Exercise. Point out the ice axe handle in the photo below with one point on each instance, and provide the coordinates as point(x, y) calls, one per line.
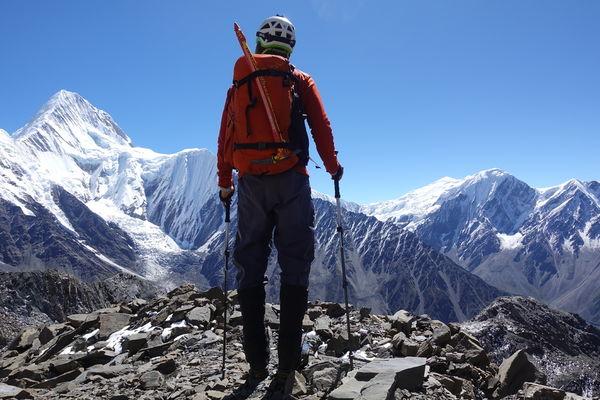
point(336, 183)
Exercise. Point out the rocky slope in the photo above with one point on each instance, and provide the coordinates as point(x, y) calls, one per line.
point(76, 194)
point(539, 242)
point(170, 348)
point(36, 297)
point(562, 345)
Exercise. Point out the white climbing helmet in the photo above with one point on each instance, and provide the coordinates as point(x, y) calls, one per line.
point(276, 33)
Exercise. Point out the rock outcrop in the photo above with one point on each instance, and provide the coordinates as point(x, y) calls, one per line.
point(561, 345)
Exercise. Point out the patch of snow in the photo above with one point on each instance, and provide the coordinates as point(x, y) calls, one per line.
point(509, 242)
point(166, 333)
point(87, 336)
point(115, 340)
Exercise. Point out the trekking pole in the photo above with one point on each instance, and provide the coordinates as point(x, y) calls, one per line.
point(227, 205)
point(340, 230)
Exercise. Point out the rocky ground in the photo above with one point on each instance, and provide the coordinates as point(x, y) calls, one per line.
point(42, 297)
point(170, 348)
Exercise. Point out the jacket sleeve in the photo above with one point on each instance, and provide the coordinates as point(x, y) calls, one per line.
point(320, 127)
point(224, 164)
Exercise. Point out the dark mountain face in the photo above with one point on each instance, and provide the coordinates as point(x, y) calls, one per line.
point(40, 241)
point(555, 339)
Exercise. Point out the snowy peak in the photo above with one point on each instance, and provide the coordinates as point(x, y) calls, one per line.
point(413, 204)
point(69, 124)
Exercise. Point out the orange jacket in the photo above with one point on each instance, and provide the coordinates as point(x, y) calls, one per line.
point(318, 122)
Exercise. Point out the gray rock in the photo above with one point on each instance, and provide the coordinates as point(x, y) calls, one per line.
point(166, 366)
point(271, 316)
point(133, 343)
point(307, 324)
point(52, 382)
point(109, 371)
point(13, 392)
point(235, 318)
point(409, 348)
point(110, 323)
point(199, 316)
point(348, 391)
point(402, 321)
point(516, 370)
point(533, 391)
point(76, 320)
point(381, 387)
point(323, 327)
point(24, 340)
point(61, 366)
point(151, 380)
point(323, 380)
point(409, 372)
point(441, 333)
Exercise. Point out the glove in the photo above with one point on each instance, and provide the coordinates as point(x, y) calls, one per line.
point(225, 194)
point(338, 175)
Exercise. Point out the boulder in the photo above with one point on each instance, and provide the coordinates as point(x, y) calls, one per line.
point(60, 366)
point(110, 323)
point(151, 380)
point(49, 332)
point(441, 333)
point(323, 379)
point(77, 320)
point(166, 366)
point(409, 372)
point(323, 327)
point(534, 391)
point(199, 316)
point(514, 372)
point(350, 390)
point(409, 348)
point(13, 392)
point(133, 343)
point(109, 371)
point(53, 382)
point(24, 340)
point(381, 387)
point(402, 321)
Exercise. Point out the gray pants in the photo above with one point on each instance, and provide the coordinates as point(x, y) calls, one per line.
point(279, 207)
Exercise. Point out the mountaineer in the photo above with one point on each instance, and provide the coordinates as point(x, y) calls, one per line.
point(268, 146)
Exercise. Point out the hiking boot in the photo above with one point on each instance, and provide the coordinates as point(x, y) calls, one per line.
point(252, 379)
point(281, 386)
point(256, 344)
point(293, 303)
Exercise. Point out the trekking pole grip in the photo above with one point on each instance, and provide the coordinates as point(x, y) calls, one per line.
point(336, 183)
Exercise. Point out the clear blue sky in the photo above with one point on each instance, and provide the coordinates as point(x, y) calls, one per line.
point(416, 90)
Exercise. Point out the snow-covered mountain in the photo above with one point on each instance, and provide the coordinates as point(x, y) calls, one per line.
point(540, 242)
point(75, 193)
